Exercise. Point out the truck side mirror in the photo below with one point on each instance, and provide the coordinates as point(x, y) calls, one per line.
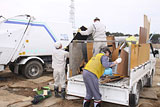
point(156, 52)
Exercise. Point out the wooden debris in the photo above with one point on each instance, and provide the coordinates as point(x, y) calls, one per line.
point(111, 79)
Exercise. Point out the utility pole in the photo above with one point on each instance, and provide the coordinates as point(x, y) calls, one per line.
point(72, 14)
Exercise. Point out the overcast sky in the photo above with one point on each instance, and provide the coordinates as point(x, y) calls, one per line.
point(124, 16)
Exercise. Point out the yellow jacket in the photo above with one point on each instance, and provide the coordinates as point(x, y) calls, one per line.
point(131, 38)
point(95, 66)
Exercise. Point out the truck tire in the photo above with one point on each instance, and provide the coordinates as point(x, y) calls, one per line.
point(11, 67)
point(134, 98)
point(149, 81)
point(33, 69)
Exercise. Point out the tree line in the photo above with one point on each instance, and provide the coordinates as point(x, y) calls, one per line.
point(155, 37)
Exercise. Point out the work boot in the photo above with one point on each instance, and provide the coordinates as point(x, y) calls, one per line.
point(97, 103)
point(86, 103)
point(63, 93)
point(56, 92)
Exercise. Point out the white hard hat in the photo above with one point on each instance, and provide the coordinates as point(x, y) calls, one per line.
point(57, 45)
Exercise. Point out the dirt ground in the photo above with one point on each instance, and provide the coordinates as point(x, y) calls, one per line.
point(19, 87)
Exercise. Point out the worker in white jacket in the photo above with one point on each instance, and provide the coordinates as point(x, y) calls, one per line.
point(98, 31)
point(58, 64)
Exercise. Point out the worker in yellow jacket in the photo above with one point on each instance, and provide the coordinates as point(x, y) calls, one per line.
point(93, 70)
point(132, 39)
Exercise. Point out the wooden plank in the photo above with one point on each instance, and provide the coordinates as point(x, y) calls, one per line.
point(111, 45)
point(122, 68)
point(89, 50)
point(134, 55)
point(115, 53)
point(147, 26)
point(142, 35)
point(147, 55)
point(141, 54)
point(148, 30)
point(144, 53)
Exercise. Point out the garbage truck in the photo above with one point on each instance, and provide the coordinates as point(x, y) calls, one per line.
point(27, 44)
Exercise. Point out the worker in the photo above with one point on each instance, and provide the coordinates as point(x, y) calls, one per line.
point(93, 70)
point(58, 64)
point(98, 31)
point(132, 39)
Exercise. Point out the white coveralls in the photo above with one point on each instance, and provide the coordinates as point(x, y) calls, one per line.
point(58, 64)
point(98, 32)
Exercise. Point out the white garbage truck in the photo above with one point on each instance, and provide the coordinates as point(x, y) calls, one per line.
point(137, 63)
point(26, 44)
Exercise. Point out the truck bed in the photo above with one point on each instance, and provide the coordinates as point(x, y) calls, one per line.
point(124, 83)
point(115, 92)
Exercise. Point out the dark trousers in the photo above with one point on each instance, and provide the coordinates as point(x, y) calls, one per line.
point(92, 85)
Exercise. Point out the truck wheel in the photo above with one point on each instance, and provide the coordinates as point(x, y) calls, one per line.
point(11, 67)
point(33, 69)
point(149, 81)
point(134, 98)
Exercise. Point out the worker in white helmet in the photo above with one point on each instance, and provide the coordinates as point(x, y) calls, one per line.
point(98, 31)
point(59, 57)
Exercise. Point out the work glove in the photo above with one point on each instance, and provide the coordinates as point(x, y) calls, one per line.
point(79, 30)
point(119, 60)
